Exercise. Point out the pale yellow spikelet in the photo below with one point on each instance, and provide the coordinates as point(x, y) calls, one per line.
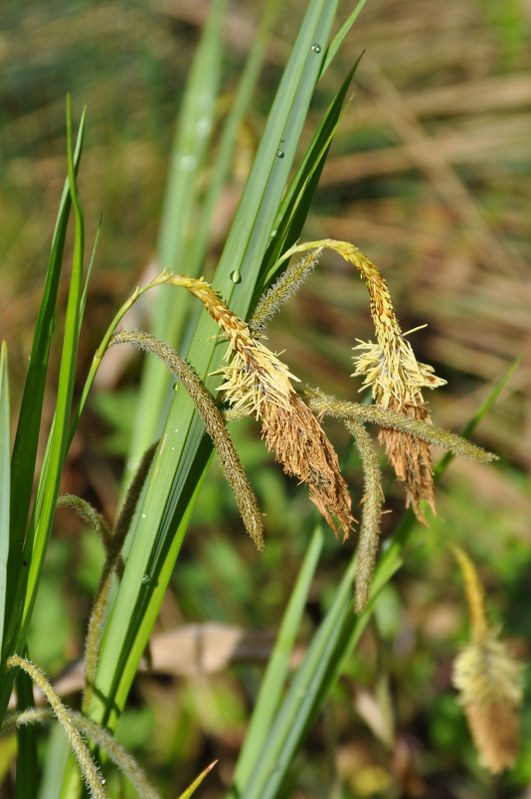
point(489, 680)
point(394, 374)
point(390, 369)
point(254, 375)
point(259, 383)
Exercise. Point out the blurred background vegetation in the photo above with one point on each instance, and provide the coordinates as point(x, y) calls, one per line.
point(429, 174)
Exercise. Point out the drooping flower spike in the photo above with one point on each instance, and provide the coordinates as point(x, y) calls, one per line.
point(489, 680)
point(257, 382)
point(390, 369)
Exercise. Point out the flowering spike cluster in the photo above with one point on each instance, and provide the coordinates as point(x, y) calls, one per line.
point(489, 680)
point(254, 376)
point(257, 382)
point(390, 368)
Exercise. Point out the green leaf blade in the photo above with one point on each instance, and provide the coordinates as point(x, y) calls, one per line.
point(183, 449)
point(5, 481)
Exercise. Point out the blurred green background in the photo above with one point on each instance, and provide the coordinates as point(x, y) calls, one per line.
point(429, 175)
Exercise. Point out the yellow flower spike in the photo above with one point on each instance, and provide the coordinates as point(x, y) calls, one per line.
point(255, 375)
point(489, 680)
point(257, 382)
point(390, 369)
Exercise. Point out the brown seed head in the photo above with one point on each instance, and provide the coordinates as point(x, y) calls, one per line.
point(489, 681)
point(300, 444)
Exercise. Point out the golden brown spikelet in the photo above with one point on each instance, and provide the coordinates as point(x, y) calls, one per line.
point(410, 458)
point(256, 381)
point(396, 378)
point(300, 444)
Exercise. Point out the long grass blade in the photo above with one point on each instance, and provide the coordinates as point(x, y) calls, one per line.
point(39, 530)
point(277, 669)
point(27, 435)
point(299, 194)
point(183, 453)
point(331, 647)
point(177, 233)
point(336, 42)
point(5, 481)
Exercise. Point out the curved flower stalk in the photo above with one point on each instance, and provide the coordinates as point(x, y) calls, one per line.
point(390, 369)
point(214, 424)
point(489, 680)
point(282, 289)
point(353, 414)
point(87, 766)
point(125, 762)
point(372, 502)
point(257, 382)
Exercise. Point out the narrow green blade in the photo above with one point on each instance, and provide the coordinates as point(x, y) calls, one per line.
point(5, 480)
point(27, 436)
point(276, 673)
point(27, 579)
point(299, 194)
point(49, 484)
point(184, 453)
point(177, 232)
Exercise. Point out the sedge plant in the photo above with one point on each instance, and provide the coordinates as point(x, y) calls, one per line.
point(227, 372)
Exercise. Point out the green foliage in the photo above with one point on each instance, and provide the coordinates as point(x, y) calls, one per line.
point(215, 578)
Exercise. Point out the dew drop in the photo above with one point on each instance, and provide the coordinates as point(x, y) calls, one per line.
point(273, 233)
point(203, 126)
point(235, 276)
point(280, 153)
point(143, 515)
point(316, 47)
point(146, 579)
point(188, 163)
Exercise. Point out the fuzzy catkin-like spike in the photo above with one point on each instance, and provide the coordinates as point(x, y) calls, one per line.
point(258, 382)
point(104, 739)
point(94, 632)
point(384, 417)
point(123, 523)
point(475, 594)
point(214, 424)
point(369, 534)
point(489, 680)
point(282, 289)
point(87, 766)
point(90, 516)
point(301, 445)
point(396, 378)
point(32, 715)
